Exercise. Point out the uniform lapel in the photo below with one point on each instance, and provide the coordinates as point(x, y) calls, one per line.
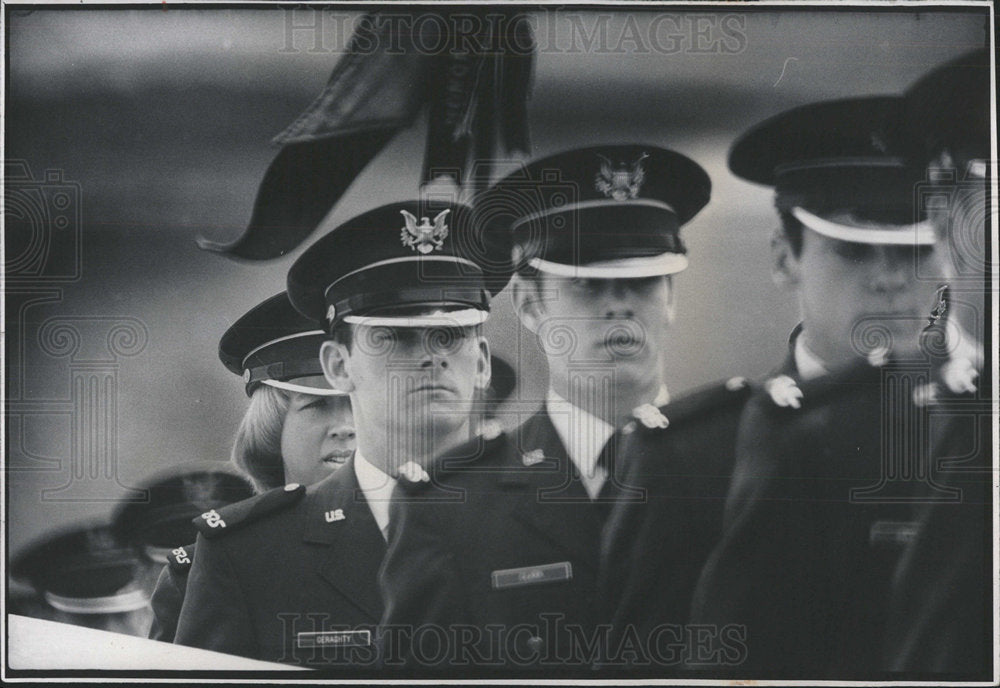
point(338, 518)
point(551, 500)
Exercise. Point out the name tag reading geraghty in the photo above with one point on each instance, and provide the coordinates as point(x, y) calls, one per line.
point(334, 639)
point(532, 575)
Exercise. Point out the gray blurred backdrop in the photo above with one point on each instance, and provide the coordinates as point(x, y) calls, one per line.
point(142, 129)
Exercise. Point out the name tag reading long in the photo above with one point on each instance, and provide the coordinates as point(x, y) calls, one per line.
point(532, 575)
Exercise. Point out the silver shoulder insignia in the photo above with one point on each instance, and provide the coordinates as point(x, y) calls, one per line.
point(213, 519)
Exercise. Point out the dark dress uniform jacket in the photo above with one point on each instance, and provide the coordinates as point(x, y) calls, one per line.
point(504, 534)
point(654, 547)
point(940, 622)
point(168, 595)
point(818, 513)
point(286, 580)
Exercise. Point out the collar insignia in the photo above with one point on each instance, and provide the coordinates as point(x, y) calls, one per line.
point(784, 391)
point(650, 416)
point(960, 375)
point(413, 472)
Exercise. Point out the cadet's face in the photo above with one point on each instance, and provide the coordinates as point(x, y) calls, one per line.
point(410, 377)
point(855, 298)
point(317, 436)
point(619, 321)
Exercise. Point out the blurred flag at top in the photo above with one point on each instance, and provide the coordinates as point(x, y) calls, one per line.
point(470, 68)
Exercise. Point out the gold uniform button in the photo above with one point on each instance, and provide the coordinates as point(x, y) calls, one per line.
point(291, 487)
point(535, 643)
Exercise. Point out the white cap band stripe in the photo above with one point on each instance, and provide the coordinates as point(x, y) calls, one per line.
point(304, 389)
point(920, 234)
point(416, 258)
point(599, 203)
point(822, 163)
point(461, 318)
point(624, 268)
point(297, 335)
point(112, 604)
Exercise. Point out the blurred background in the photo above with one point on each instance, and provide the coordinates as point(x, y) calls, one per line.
point(137, 131)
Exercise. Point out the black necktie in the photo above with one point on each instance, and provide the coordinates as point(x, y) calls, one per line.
point(606, 460)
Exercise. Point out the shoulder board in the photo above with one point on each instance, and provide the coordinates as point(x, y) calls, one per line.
point(699, 403)
point(216, 522)
point(828, 388)
point(180, 559)
point(414, 480)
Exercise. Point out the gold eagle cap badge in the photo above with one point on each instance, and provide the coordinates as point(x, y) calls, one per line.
point(424, 237)
point(622, 183)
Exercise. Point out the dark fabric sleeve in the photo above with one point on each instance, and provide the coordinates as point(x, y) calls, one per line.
point(216, 614)
point(166, 601)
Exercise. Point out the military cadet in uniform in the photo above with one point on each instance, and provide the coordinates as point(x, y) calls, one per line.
point(87, 576)
point(941, 605)
point(158, 526)
point(296, 429)
point(820, 506)
point(499, 549)
point(290, 575)
point(655, 545)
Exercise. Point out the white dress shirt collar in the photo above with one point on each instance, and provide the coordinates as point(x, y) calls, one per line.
point(377, 487)
point(807, 363)
point(584, 436)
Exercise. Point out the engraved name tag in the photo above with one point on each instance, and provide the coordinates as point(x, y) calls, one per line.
point(892, 532)
point(334, 639)
point(532, 575)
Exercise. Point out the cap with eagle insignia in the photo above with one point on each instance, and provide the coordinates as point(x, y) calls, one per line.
point(600, 212)
point(407, 264)
point(217, 522)
point(948, 113)
point(841, 168)
point(157, 524)
point(273, 344)
point(86, 569)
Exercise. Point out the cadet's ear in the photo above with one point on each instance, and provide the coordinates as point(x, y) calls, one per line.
point(527, 302)
point(334, 358)
point(484, 371)
point(785, 266)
